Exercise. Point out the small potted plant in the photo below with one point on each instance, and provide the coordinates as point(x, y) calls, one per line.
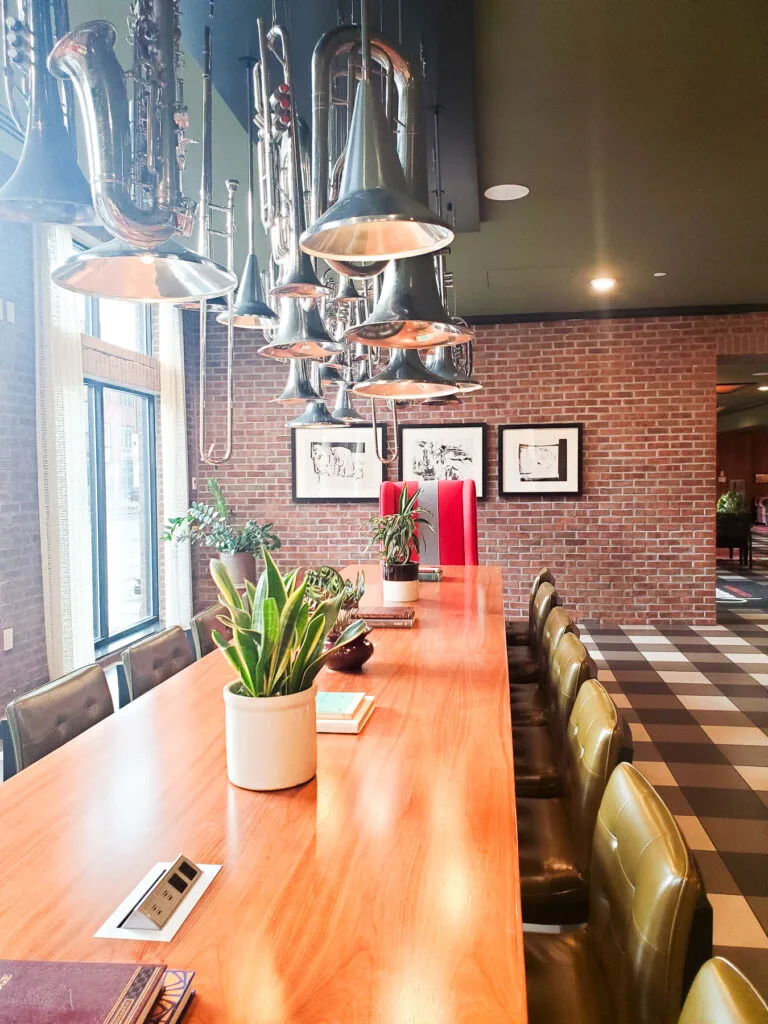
point(276, 651)
point(396, 536)
point(211, 525)
point(325, 582)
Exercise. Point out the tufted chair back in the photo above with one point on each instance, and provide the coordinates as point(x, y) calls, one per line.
point(203, 625)
point(720, 994)
point(559, 622)
point(570, 666)
point(643, 891)
point(590, 754)
point(542, 576)
point(152, 661)
point(50, 716)
point(546, 599)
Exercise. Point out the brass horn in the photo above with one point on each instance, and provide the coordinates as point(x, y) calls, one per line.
point(47, 185)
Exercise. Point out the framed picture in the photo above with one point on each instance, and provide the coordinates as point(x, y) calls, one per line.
point(336, 464)
point(541, 459)
point(443, 451)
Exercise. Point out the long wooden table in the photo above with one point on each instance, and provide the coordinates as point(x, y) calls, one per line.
point(384, 890)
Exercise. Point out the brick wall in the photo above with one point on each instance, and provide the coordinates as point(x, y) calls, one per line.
point(21, 596)
point(638, 546)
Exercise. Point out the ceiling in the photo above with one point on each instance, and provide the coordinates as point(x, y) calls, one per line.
point(745, 374)
point(641, 129)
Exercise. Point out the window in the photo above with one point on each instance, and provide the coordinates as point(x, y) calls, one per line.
point(123, 502)
point(127, 324)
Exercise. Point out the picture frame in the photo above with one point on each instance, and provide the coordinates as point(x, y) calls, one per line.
point(541, 460)
point(432, 452)
point(336, 465)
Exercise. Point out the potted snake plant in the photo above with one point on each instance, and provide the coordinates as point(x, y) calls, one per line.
point(397, 536)
point(276, 652)
point(212, 525)
point(325, 582)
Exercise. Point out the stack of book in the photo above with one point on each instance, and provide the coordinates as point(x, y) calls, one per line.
point(430, 573)
point(342, 712)
point(49, 991)
point(391, 616)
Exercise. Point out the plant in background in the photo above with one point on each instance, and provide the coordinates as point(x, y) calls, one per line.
point(732, 503)
point(324, 582)
point(397, 533)
point(278, 631)
point(212, 526)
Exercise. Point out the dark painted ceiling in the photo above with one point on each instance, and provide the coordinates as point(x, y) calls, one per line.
point(746, 374)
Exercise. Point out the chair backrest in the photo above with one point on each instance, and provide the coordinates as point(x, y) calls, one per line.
point(542, 576)
point(152, 661)
point(590, 753)
point(720, 994)
point(203, 625)
point(452, 505)
point(559, 622)
point(546, 599)
point(643, 889)
point(51, 715)
point(569, 667)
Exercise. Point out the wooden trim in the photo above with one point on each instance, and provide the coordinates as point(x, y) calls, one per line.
point(111, 364)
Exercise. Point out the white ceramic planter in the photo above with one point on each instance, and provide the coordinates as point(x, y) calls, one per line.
point(241, 566)
point(400, 591)
point(271, 741)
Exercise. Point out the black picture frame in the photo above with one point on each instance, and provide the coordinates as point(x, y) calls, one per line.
point(300, 498)
point(576, 430)
point(482, 487)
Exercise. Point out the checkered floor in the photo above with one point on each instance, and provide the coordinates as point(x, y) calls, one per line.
point(697, 702)
point(737, 584)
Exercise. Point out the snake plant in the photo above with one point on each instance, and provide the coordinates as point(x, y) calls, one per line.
point(278, 631)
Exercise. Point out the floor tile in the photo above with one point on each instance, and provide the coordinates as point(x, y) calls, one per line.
point(677, 734)
point(657, 773)
point(761, 677)
point(732, 835)
point(740, 804)
point(639, 732)
point(620, 700)
point(706, 703)
point(748, 659)
point(727, 641)
point(679, 676)
point(737, 736)
point(752, 756)
point(735, 924)
point(755, 777)
point(694, 832)
point(690, 753)
point(749, 871)
point(708, 776)
point(759, 907)
point(667, 657)
point(716, 876)
point(675, 800)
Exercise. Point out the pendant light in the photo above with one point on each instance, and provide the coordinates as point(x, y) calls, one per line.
point(300, 334)
point(442, 363)
point(299, 387)
point(250, 309)
point(344, 410)
point(406, 378)
point(316, 416)
point(374, 217)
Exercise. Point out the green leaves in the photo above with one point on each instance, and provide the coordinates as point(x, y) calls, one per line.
point(396, 533)
point(278, 630)
point(212, 526)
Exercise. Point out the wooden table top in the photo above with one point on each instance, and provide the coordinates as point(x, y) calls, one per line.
point(384, 890)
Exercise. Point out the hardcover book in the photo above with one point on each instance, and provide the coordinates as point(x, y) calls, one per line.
point(349, 725)
point(173, 1000)
point(389, 616)
point(50, 991)
point(337, 705)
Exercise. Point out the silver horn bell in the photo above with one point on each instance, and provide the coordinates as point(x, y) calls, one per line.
point(250, 309)
point(299, 387)
point(406, 378)
point(316, 415)
point(301, 334)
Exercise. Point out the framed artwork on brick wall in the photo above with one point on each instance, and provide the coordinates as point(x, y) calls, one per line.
point(431, 452)
point(540, 459)
point(336, 464)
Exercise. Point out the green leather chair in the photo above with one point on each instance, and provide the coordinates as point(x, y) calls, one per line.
point(152, 661)
point(46, 718)
point(520, 631)
point(720, 994)
point(202, 627)
point(626, 964)
point(524, 663)
point(555, 835)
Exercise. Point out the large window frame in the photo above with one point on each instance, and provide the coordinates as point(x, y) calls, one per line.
point(104, 640)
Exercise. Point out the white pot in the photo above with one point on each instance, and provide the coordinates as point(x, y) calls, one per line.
point(400, 591)
point(241, 566)
point(271, 741)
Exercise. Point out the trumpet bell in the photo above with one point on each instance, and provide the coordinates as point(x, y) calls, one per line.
point(442, 363)
point(347, 292)
point(409, 313)
point(47, 186)
point(301, 283)
point(299, 387)
point(316, 415)
point(374, 217)
point(169, 272)
point(344, 410)
point(300, 335)
point(250, 309)
point(406, 378)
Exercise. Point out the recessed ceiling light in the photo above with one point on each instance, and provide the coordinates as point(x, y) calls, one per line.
point(504, 193)
point(603, 284)
point(659, 273)
point(763, 387)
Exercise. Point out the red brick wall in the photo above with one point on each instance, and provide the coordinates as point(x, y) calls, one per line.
point(638, 546)
point(21, 597)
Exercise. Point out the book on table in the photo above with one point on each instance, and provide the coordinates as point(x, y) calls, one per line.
point(329, 719)
point(48, 991)
point(170, 1005)
point(391, 616)
point(430, 573)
